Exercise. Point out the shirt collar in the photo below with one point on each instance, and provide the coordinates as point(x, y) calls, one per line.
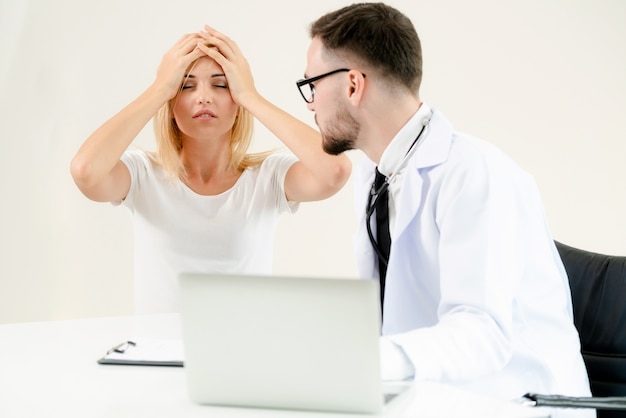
point(397, 149)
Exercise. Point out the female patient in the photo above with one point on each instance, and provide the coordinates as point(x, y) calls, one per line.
point(201, 203)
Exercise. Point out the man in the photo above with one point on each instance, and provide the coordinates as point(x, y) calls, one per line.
point(473, 291)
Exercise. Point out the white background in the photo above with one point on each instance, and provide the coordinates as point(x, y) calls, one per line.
point(544, 80)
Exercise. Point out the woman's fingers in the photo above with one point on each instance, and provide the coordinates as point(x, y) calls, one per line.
point(228, 55)
point(176, 60)
point(226, 46)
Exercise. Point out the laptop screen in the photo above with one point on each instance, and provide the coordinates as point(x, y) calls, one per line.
point(282, 342)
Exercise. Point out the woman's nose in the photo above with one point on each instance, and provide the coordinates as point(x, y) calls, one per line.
point(204, 95)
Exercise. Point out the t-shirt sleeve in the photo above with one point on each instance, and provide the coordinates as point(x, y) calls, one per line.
point(278, 164)
point(137, 162)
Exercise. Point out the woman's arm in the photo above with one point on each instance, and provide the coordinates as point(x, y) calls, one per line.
point(96, 167)
point(317, 175)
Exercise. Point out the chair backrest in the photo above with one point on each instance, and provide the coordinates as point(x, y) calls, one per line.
point(598, 286)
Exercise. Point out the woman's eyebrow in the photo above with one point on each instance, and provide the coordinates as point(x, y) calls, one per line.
point(212, 75)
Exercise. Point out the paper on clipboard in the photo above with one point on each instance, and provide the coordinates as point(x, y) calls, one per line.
point(146, 352)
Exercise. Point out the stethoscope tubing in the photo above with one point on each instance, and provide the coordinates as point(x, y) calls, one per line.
point(375, 194)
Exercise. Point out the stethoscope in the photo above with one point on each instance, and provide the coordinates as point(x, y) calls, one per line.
point(376, 193)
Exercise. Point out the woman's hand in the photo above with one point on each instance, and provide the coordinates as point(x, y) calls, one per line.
point(228, 55)
point(175, 62)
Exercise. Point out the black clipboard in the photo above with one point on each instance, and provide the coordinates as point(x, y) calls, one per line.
point(596, 402)
point(145, 352)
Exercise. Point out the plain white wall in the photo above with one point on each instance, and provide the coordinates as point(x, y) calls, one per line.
point(541, 79)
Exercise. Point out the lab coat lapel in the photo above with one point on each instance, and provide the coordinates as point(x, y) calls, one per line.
point(408, 203)
point(433, 151)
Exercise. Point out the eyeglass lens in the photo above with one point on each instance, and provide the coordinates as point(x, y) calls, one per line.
point(308, 92)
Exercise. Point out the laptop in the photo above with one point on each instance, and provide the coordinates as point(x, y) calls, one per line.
point(282, 342)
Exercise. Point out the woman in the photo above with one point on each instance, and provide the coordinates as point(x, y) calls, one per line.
point(200, 203)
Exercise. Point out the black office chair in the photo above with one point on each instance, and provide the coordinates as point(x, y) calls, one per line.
point(598, 286)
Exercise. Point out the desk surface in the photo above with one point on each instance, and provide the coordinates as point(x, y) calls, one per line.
point(49, 369)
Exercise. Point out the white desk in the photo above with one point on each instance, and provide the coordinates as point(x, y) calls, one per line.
point(49, 369)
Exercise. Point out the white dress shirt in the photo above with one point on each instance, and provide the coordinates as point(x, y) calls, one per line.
point(400, 149)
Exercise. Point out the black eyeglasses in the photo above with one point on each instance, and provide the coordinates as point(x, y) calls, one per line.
point(306, 87)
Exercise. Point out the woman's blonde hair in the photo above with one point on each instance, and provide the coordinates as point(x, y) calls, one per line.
point(169, 142)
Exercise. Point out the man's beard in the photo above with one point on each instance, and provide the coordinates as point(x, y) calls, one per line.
point(341, 134)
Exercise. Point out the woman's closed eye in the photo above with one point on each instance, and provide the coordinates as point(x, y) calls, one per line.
point(188, 86)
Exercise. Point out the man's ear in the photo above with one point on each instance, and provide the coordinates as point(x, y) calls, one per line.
point(356, 87)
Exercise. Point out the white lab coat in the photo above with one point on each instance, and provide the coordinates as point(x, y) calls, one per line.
point(476, 293)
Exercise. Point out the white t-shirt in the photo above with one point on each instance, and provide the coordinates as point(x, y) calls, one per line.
point(177, 230)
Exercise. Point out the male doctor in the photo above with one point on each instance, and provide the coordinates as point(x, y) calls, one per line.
point(473, 291)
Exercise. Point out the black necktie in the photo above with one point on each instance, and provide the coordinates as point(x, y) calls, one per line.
point(383, 237)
